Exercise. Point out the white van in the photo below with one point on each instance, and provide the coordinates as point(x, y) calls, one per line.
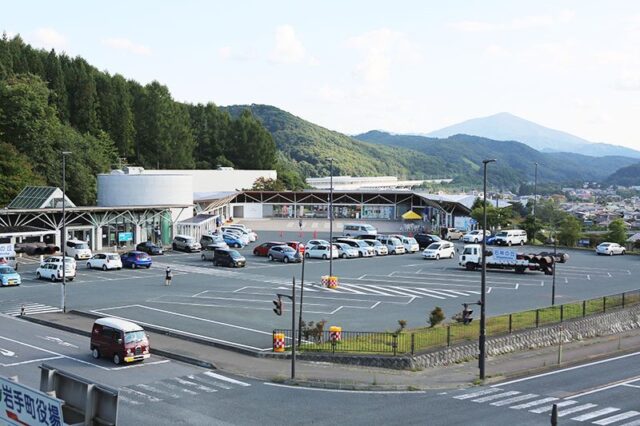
point(511, 237)
point(77, 249)
point(357, 229)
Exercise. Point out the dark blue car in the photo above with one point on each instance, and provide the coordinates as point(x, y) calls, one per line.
point(135, 259)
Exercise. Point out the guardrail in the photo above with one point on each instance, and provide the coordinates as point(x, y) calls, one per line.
point(410, 342)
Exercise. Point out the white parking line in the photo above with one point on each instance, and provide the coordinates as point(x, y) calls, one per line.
point(30, 361)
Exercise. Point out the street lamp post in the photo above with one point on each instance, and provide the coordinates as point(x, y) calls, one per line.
point(553, 285)
point(535, 200)
point(331, 218)
point(64, 231)
point(483, 276)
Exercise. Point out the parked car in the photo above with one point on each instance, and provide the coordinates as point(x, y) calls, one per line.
point(410, 244)
point(356, 229)
point(185, 243)
point(345, 250)
point(135, 259)
point(58, 260)
point(298, 246)
point(233, 240)
point(9, 276)
point(321, 251)
point(284, 253)
point(119, 340)
point(149, 248)
point(475, 236)
point(440, 250)
point(453, 234)
point(104, 261)
point(381, 249)
point(316, 243)
point(511, 237)
point(425, 240)
point(213, 240)
point(491, 241)
point(53, 271)
point(394, 245)
point(228, 257)
point(364, 249)
point(252, 235)
point(239, 233)
point(610, 249)
point(77, 249)
point(263, 249)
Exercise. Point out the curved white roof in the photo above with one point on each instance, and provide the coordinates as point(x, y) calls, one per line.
point(119, 324)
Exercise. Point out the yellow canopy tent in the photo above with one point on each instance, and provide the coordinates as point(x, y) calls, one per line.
point(411, 215)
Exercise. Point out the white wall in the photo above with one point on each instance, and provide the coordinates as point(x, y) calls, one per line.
point(219, 180)
point(144, 190)
point(251, 210)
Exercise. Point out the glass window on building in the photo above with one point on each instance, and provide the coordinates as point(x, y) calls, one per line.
point(284, 211)
point(378, 212)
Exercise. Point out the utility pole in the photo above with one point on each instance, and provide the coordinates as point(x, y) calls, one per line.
point(483, 277)
point(331, 217)
point(64, 231)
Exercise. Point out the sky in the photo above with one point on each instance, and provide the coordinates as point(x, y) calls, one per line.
point(354, 66)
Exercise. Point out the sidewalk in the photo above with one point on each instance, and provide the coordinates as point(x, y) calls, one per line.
point(351, 377)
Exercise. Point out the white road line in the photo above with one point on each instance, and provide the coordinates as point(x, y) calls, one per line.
point(422, 292)
point(367, 289)
point(440, 292)
point(140, 365)
point(150, 398)
point(495, 396)
point(616, 418)
point(226, 379)
point(344, 286)
point(632, 423)
point(594, 414)
point(194, 384)
point(127, 400)
point(550, 407)
point(477, 393)
point(630, 385)
point(515, 399)
point(29, 362)
point(567, 369)
point(150, 388)
point(177, 388)
point(278, 385)
point(204, 381)
point(589, 277)
point(459, 293)
point(392, 291)
point(534, 403)
point(575, 409)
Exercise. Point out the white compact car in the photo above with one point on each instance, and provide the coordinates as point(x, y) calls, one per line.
point(346, 251)
point(381, 249)
point(410, 244)
point(311, 243)
point(58, 260)
point(77, 249)
point(475, 237)
point(321, 251)
point(610, 249)
point(53, 271)
point(105, 261)
point(439, 250)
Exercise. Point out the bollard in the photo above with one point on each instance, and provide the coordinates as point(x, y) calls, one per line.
point(554, 415)
point(22, 311)
point(278, 342)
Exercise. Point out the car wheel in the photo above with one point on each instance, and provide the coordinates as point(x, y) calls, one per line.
point(216, 264)
point(343, 255)
point(610, 253)
point(622, 252)
point(95, 353)
point(116, 359)
point(76, 257)
point(359, 254)
point(53, 278)
point(173, 246)
point(475, 241)
point(285, 260)
point(393, 252)
point(255, 252)
point(88, 265)
point(104, 267)
point(521, 242)
point(133, 266)
point(452, 254)
point(324, 256)
point(202, 257)
point(437, 257)
point(306, 255)
point(38, 276)
point(509, 243)
point(148, 266)
point(270, 257)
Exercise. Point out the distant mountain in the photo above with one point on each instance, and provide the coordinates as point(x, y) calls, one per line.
point(307, 148)
point(626, 176)
point(515, 160)
point(508, 127)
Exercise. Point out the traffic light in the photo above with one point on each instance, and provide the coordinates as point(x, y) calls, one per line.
point(466, 314)
point(278, 308)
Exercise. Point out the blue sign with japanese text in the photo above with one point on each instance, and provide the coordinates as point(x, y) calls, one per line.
point(21, 405)
point(125, 236)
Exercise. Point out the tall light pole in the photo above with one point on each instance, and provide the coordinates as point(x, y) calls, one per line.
point(331, 217)
point(483, 276)
point(535, 201)
point(64, 230)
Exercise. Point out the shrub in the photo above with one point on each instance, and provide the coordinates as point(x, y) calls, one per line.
point(436, 316)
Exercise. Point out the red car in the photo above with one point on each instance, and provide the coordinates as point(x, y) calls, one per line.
point(263, 249)
point(296, 245)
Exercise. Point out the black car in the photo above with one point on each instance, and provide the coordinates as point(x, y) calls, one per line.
point(425, 240)
point(228, 257)
point(149, 248)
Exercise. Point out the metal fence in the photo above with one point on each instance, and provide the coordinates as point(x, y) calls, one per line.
point(415, 341)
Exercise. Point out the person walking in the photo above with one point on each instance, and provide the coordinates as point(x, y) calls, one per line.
point(300, 224)
point(168, 276)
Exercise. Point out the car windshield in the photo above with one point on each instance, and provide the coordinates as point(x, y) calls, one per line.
point(434, 246)
point(142, 255)
point(411, 240)
point(369, 228)
point(134, 336)
point(81, 246)
point(288, 250)
point(7, 270)
point(605, 244)
point(235, 254)
point(362, 243)
point(501, 234)
point(113, 257)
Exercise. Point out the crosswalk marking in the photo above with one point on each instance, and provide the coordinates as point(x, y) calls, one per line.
point(633, 423)
point(196, 385)
point(149, 398)
point(575, 409)
point(514, 399)
point(150, 388)
point(176, 388)
point(495, 396)
point(550, 407)
point(534, 403)
point(422, 292)
point(14, 309)
point(477, 393)
point(617, 418)
point(226, 379)
point(595, 414)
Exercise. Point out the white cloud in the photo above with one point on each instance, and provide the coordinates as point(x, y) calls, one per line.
point(288, 48)
point(127, 45)
point(49, 38)
point(628, 81)
point(516, 24)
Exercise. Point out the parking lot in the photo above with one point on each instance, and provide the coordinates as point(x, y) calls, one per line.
point(234, 306)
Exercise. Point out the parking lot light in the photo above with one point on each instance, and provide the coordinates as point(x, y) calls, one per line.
point(64, 231)
point(483, 277)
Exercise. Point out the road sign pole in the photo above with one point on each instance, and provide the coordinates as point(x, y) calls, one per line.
point(293, 329)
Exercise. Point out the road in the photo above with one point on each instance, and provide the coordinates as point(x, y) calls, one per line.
point(234, 305)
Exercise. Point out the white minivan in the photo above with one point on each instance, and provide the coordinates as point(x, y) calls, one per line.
point(357, 229)
point(511, 237)
point(77, 249)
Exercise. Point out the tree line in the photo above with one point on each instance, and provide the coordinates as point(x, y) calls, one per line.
point(51, 102)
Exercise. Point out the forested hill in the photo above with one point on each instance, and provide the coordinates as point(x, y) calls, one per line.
point(626, 176)
point(51, 102)
point(308, 148)
point(515, 161)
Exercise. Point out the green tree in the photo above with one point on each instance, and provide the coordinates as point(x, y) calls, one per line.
point(617, 232)
point(264, 184)
point(121, 127)
point(58, 96)
point(570, 230)
point(83, 99)
point(16, 171)
point(252, 146)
